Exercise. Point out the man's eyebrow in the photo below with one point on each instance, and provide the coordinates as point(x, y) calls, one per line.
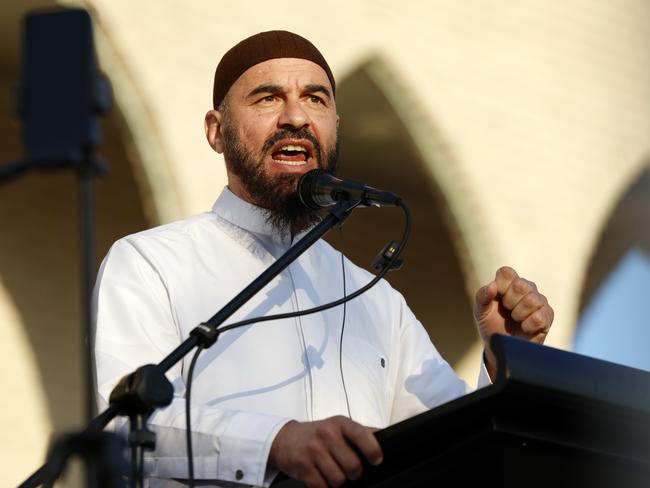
point(315, 88)
point(271, 89)
point(277, 89)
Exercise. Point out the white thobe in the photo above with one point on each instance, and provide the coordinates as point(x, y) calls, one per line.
point(155, 286)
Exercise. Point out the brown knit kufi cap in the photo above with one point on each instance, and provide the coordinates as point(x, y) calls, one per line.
point(259, 48)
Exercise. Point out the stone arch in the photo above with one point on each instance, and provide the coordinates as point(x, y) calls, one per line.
point(624, 236)
point(40, 298)
point(387, 142)
point(25, 421)
point(140, 132)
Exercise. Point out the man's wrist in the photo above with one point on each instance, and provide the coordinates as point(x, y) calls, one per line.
point(276, 445)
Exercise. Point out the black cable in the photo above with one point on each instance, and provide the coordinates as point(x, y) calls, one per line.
point(299, 313)
point(340, 301)
point(87, 226)
point(188, 421)
point(345, 390)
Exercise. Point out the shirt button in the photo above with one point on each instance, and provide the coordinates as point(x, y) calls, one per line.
point(239, 474)
point(383, 362)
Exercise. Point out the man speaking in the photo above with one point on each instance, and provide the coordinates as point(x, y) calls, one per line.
point(301, 395)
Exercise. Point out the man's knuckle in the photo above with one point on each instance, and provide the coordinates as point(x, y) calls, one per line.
point(531, 284)
point(519, 285)
point(532, 300)
point(331, 431)
point(324, 430)
point(538, 319)
point(313, 449)
point(359, 434)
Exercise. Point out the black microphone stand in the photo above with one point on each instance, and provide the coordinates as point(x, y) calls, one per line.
point(140, 393)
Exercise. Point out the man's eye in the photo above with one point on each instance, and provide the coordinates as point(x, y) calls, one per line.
point(269, 98)
point(315, 99)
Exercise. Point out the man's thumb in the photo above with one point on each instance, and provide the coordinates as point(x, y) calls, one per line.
point(484, 298)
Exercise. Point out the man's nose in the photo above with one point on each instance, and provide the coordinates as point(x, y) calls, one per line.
point(293, 115)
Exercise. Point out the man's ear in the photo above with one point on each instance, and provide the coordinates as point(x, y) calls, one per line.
point(213, 130)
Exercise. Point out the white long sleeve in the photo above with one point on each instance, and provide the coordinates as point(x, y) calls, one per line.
point(154, 287)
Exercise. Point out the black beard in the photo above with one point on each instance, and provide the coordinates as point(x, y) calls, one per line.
point(278, 194)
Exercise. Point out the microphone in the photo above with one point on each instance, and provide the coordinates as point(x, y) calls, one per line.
point(319, 189)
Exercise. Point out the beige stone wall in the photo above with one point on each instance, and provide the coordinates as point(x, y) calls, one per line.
point(41, 333)
point(531, 118)
point(543, 106)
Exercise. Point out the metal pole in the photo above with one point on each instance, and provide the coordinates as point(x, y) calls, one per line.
point(86, 188)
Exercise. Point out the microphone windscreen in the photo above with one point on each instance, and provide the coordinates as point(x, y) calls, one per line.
point(308, 188)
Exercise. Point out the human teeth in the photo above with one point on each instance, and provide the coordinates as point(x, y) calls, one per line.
point(293, 148)
point(290, 163)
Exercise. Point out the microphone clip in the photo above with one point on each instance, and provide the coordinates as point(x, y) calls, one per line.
point(382, 259)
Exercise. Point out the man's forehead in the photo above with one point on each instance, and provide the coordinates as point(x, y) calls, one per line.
point(261, 47)
point(281, 72)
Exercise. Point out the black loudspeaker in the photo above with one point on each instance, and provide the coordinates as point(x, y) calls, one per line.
point(62, 93)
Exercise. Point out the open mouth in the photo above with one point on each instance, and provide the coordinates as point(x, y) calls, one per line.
point(292, 153)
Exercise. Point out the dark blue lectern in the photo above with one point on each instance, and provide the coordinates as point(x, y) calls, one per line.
point(552, 419)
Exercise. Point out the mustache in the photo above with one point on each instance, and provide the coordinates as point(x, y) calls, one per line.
point(302, 133)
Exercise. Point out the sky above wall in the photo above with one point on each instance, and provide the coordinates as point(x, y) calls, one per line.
point(615, 326)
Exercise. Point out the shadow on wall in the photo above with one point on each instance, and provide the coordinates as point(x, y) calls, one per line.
point(614, 309)
point(377, 149)
point(40, 255)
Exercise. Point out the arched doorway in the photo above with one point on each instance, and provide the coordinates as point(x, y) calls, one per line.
point(614, 323)
point(40, 268)
point(377, 149)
